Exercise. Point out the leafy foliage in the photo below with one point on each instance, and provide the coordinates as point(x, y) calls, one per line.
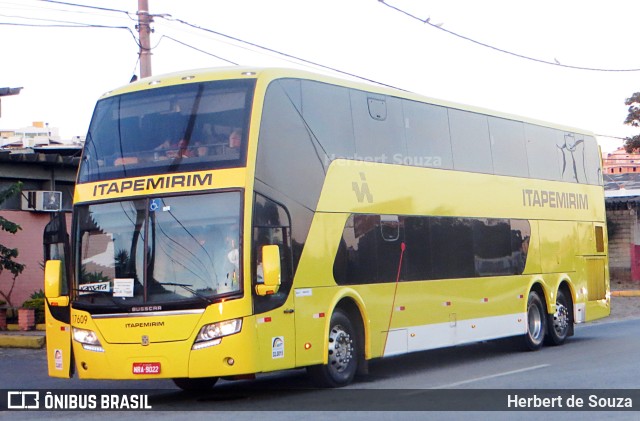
point(632, 144)
point(37, 294)
point(7, 254)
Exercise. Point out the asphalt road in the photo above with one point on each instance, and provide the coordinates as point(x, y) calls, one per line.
point(599, 360)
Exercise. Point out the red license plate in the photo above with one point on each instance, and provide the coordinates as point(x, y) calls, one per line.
point(146, 368)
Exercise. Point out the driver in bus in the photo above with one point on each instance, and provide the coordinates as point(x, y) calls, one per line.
point(180, 149)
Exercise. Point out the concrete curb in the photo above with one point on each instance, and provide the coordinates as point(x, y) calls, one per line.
point(629, 293)
point(13, 337)
point(18, 340)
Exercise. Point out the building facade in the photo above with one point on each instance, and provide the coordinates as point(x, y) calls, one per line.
point(38, 169)
point(620, 162)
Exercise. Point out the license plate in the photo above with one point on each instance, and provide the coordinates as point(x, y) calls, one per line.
point(146, 368)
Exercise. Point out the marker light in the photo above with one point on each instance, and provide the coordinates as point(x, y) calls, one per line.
point(212, 334)
point(88, 339)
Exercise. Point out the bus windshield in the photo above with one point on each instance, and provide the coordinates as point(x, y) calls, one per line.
point(179, 128)
point(154, 251)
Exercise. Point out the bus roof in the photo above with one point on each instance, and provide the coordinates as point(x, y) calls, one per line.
point(266, 75)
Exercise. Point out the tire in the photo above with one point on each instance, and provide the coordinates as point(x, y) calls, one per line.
point(195, 384)
point(536, 323)
point(559, 326)
point(342, 362)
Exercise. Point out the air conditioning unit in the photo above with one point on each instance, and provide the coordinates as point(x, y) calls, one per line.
point(41, 200)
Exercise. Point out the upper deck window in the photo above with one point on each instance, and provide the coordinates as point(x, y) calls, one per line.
point(190, 127)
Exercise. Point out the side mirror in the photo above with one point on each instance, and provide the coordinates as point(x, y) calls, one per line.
point(270, 271)
point(53, 279)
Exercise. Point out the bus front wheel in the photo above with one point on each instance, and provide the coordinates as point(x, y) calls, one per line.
point(342, 361)
point(195, 384)
point(536, 322)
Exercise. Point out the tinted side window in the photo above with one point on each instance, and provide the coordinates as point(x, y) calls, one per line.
point(592, 161)
point(543, 152)
point(419, 253)
point(287, 151)
point(378, 136)
point(370, 250)
point(427, 133)
point(508, 147)
point(492, 247)
point(453, 252)
point(356, 259)
point(470, 141)
point(327, 111)
point(571, 150)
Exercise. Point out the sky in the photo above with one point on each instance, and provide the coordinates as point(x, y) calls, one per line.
point(488, 53)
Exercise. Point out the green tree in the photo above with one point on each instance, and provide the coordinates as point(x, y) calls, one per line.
point(632, 144)
point(7, 254)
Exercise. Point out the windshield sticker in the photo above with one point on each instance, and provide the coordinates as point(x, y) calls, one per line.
point(154, 204)
point(123, 287)
point(92, 288)
point(277, 347)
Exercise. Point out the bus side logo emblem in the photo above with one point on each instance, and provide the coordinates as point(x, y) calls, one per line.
point(145, 340)
point(362, 190)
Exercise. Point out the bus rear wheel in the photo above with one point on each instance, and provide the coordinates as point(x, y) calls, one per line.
point(195, 384)
point(342, 362)
point(560, 321)
point(536, 322)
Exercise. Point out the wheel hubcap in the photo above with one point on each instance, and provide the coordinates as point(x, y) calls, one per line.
point(535, 323)
point(561, 318)
point(340, 349)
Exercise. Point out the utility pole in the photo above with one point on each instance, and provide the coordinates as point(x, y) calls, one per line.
point(144, 37)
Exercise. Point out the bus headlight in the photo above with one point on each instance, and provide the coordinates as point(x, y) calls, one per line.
point(212, 334)
point(88, 339)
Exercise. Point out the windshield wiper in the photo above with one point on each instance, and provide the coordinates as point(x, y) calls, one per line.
point(187, 287)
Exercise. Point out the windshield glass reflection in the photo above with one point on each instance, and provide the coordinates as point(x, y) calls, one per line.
point(191, 248)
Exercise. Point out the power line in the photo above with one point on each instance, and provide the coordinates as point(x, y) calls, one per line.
point(271, 50)
point(105, 9)
point(46, 20)
point(71, 25)
point(56, 9)
point(183, 22)
point(500, 50)
point(194, 48)
point(612, 137)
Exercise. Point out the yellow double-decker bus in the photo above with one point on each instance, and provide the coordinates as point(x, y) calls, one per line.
point(235, 221)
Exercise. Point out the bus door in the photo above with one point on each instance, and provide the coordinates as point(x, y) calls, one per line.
point(276, 325)
point(57, 302)
point(272, 279)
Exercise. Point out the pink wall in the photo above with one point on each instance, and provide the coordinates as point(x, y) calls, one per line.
point(28, 241)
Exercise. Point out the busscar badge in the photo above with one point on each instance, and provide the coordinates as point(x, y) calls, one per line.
point(145, 340)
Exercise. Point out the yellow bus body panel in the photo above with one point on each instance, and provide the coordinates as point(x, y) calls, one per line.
point(562, 237)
